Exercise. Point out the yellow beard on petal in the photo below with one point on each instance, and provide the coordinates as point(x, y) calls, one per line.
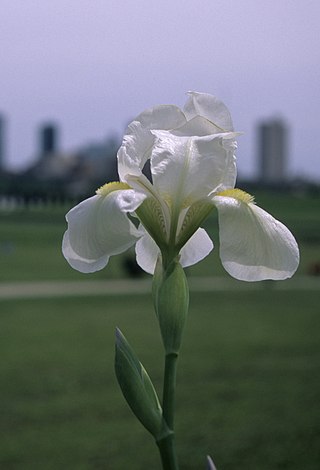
point(238, 194)
point(110, 187)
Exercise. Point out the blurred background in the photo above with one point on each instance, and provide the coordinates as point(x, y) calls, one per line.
point(73, 75)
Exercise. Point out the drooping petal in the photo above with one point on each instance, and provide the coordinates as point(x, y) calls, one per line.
point(147, 252)
point(253, 245)
point(99, 228)
point(197, 248)
point(79, 263)
point(138, 140)
point(208, 106)
point(186, 168)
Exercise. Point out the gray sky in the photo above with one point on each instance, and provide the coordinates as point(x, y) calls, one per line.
point(93, 65)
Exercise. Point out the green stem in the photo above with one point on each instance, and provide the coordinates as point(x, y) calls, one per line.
point(169, 389)
point(168, 454)
point(166, 445)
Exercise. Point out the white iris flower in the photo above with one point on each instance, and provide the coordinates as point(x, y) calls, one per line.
point(191, 155)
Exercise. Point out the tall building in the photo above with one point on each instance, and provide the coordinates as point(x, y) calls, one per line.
point(48, 139)
point(2, 141)
point(273, 149)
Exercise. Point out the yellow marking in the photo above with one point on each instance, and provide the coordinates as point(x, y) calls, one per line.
point(109, 187)
point(238, 194)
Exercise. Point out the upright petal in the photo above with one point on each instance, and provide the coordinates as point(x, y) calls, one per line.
point(197, 126)
point(185, 169)
point(138, 140)
point(208, 106)
point(253, 245)
point(165, 116)
point(99, 228)
point(134, 151)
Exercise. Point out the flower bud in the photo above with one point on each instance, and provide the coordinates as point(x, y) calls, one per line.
point(137, 387)
point(171, 302)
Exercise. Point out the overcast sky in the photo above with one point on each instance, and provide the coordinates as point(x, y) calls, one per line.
point(93, 65)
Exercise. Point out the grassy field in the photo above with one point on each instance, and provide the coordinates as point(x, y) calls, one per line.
point(30, 240)
point(248, 381)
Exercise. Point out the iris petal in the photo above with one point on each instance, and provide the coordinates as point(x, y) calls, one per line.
point(138, 140)
point(147, 252)
point(208, 106)
point(84, 265)
point(166, 116)
point(99, 228)
point(134, 151)
point(197, 248)
point(253, 245)
point(197, 126)
point(185, 169)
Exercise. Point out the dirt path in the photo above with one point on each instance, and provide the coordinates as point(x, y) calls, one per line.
point(38, 289)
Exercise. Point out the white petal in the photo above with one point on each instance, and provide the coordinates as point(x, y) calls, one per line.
point(162, 117)
point(129, 200)
point(197, 126)
point(208, 106)
point(138, 140)
point(147, 253)
point(185, 168)
point(196, 248)
point(99, 228)
point(134, 151)
point(253, 245)
point(77, 262)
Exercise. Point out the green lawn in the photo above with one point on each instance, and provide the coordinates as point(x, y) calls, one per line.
point(30, 247)
point(30, 240)
point(248, 382)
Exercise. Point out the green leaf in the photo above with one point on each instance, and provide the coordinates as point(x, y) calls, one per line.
point(137, 387)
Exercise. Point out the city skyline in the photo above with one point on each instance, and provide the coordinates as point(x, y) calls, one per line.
point(271, 158)
point(273, 151)
point(93, 68)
